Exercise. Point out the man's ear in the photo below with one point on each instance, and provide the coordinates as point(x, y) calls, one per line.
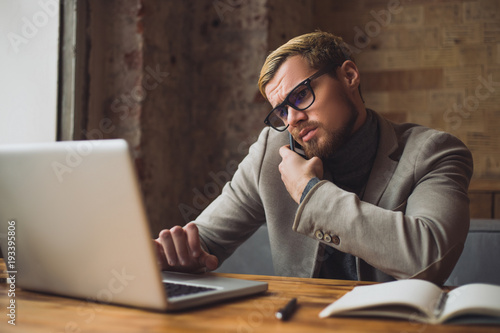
point(350, 75)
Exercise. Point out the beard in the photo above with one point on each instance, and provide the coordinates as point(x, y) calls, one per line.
point(333, 140)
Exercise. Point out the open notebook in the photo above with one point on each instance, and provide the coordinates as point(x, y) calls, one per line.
point(74, 215)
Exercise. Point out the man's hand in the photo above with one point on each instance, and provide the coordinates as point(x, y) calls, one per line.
point(296, 171)
point(179, 249)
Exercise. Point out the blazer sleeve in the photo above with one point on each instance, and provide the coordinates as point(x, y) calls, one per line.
point(421, 235)
point(238, 211)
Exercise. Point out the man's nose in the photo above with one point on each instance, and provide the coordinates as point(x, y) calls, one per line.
point(295, 116)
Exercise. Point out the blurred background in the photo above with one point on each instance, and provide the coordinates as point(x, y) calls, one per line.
point(178, 80)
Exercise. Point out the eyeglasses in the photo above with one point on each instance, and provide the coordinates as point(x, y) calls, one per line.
point(300, 98)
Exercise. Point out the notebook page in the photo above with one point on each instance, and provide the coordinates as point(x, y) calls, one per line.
point(420, 294)
point(476, 298)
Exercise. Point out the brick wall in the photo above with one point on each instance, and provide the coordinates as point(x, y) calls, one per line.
point(178, 81)
point(199, 123)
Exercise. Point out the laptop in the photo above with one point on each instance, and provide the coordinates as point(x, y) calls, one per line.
point(75, 219)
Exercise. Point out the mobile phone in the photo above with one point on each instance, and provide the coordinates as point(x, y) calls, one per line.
point(295, 147)
point(292, 142)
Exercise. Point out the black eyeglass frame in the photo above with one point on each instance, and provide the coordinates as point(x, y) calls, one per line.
point(306, 82)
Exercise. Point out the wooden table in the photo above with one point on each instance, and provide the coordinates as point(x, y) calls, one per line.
point(46, 313)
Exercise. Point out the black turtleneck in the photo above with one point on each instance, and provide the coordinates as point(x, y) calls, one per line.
point(349, 169)
point(350, 166)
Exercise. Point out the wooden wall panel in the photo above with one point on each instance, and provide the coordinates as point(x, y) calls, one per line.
point(436, 63)
point(496, 207)
point(481, 204)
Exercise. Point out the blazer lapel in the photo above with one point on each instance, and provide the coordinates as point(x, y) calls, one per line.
point(383, 166)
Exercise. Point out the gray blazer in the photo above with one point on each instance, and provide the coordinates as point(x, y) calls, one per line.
point(411, 222)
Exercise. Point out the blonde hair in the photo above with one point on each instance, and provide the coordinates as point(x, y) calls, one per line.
point(318, 48)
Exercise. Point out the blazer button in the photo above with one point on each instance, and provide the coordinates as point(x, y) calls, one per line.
point(336, 240)
point(327, 238)
point(319, 234)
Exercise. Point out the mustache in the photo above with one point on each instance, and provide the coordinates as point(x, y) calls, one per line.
point(296, 131)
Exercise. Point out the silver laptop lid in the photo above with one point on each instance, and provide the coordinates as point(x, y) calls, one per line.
point(88, 243)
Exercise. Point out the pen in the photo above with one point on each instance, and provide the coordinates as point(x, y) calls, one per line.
point(286, 312)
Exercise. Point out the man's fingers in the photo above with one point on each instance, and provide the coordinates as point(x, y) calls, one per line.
point(193, 239)
point(209, 261)
point(167, 242)
point(204, 259)
point(284, 150)
point(180, 241)
point(162, 259)
point(180, 250)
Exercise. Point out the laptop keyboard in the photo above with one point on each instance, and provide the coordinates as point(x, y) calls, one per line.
point(178, 289)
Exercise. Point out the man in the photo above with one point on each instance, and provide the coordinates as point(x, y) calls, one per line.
point(373, 200)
